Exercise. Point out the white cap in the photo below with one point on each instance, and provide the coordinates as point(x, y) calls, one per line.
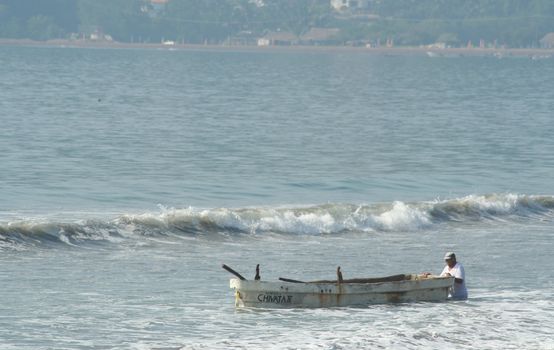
point(449, 255)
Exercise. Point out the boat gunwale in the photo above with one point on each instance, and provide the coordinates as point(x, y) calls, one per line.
point(371, 280)
point(332, 287)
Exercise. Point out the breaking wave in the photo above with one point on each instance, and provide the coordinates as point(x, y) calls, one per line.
point(332, 218)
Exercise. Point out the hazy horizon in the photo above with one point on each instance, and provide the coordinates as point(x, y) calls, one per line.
point(515, 23)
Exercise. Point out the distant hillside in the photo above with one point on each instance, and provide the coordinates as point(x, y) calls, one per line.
point(514, 23)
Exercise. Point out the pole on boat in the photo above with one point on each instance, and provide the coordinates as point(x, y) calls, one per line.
point(257, 277)
point(230, 270)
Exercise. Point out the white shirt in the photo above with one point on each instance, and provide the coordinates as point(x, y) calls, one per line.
point(458, 291)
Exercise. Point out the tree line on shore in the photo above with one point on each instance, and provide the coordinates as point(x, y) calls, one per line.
point(514, 23)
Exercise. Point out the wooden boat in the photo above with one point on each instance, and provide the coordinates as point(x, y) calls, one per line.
point(288, 293)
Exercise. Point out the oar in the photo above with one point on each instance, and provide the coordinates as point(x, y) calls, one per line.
point(233, 272)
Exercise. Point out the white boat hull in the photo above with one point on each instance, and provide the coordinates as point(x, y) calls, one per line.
point(313, 294)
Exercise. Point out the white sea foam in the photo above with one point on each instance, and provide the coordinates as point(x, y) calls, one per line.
point(331, 218)
point(493, 204)
point(491, 323)
point(402, 217)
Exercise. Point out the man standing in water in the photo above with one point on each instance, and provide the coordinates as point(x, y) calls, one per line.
point(456, 270)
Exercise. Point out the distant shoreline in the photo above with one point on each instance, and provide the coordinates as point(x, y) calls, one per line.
point(392, 51)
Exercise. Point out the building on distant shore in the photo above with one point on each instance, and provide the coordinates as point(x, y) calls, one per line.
point(321, 36)
point(99, 35)
point(278, 38)
point(315, 36)
point(547, 42)
point(342, 5)
point(244, 38)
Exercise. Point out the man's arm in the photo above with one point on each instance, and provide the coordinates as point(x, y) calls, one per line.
point(459, 274)
point(456, 280)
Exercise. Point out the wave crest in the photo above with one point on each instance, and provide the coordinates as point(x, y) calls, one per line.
point(332, 218)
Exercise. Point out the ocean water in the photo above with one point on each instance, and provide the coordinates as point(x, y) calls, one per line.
point(129, 176)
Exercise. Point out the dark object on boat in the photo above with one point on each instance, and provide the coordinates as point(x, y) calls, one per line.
point(257, 277)
point(233, 272)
